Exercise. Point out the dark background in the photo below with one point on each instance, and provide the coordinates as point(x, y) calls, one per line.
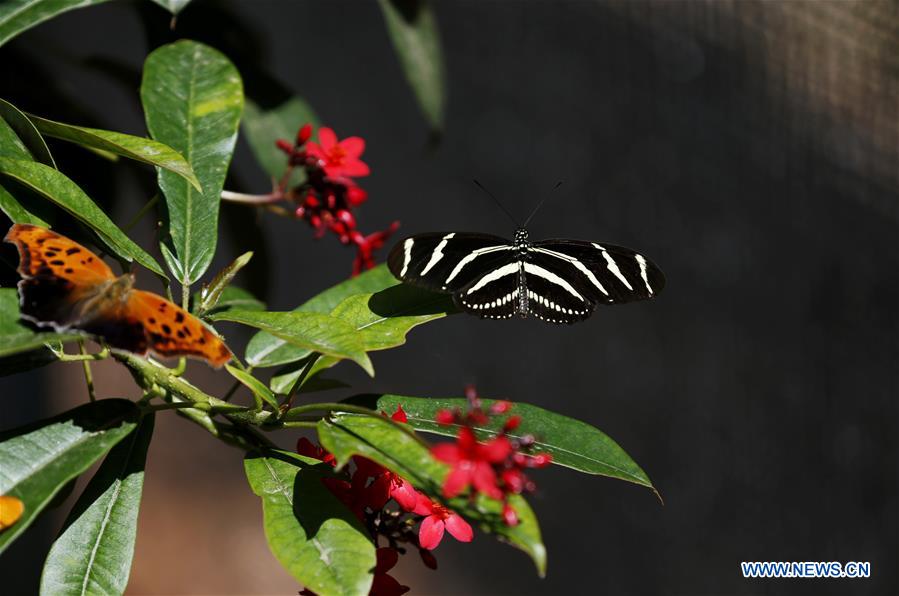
point(751, 149)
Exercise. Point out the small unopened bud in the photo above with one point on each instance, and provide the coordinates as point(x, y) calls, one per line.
point(510, 517)
point(512, 423)
point(500, 407)
point(284, 146)
point(356, 196)
point(304, 134)
point(445, 417)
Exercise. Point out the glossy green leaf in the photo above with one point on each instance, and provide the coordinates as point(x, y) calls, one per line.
point(380, 440)
point(283, 380)
point(137, 148)
point(257, 387)
point(413, 31)
point(18, 212)
point(17, 16)
point(15, 337)
point(313, 331)
point(232, 298)
point(29, 137)
point(173, 6)
point(314, 536)
point(572, 443)
point(10, 144)
point(93, 552)
point(56, 187)
point(266, 350)
point(192, 97)
point(40, 459)
point(211, 293)
point(263, 127)
point(382, 320)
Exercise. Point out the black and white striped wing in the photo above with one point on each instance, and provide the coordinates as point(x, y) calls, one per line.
point(447, 261)
point(601, 273)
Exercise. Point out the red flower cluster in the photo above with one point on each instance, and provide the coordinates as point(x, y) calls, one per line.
point(368, 491)
point(495, 468)
point(330, 193)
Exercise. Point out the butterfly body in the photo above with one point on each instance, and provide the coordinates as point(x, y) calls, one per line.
point(557, 281)
point(66, 286)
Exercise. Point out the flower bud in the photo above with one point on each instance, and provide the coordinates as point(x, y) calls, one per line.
point(445, 417)
point(304, 134)
point(510, 517)
point(284, 146)
point(500, 407)
point(356, 195)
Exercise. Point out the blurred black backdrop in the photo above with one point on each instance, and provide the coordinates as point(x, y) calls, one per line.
point(751, 149)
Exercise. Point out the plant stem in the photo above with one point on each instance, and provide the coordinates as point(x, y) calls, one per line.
point(248, 199)
point(299, 382)
point(88, 375)
point(143, 211)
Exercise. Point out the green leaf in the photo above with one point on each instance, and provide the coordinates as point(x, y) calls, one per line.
point(137, 148)
point(382, 320)
point(313, 331)
point(56, 187)
point(413, 31)
point(572, 443)
point(314, 536)
point(232, 298)
point(265, 349)
point(25, 361)
point(17, 16)
point(17, 212)
point(264, 127)
point(260, 391)
point(15, 337)
point(93, 553)
point(210, 295)
point(380, 440)
point(192, 97)
point(283, 380)
point(173, 6)
point(40, 459)
point(29, 137)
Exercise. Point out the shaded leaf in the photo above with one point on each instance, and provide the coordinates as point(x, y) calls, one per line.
point(25, 361)
point(210, 294)
point(378, 439)
point(29, 137)
point(257, 387)
point(313, 331)
point(265, 349)
point(416, 40)
point(16, 337)
point(192, 97)
point(106, 141)
point(283, 380)
point(264, 127)
point(17, 16)
point(56, 187)
point(17, 212)
point(42, 458)
point(314, 536)
point(572, 443)
point(93, 553)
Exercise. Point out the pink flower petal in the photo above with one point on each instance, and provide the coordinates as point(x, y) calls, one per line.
point(496, 450)
point(424, 505)
point(457, 481)
point(406, 495)
point(448, 453)
point(484, 480)
point(354, 146)
point(353, 167)
point(431, 532)
point(459, 528)
point(327, 138)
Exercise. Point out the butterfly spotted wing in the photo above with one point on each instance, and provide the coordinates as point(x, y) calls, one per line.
point(66, 286)
point(557, 281)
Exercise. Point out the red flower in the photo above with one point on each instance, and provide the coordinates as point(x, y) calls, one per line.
point(386, 485)
point(367, 245)
point(384, 584)
point(472, 463)
point(338, 159)
point(310, 449)
point(439, 518)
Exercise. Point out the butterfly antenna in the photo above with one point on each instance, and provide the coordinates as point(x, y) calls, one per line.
point(495, 200)
point(540, 204)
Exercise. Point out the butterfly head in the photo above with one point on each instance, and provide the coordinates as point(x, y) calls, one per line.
point(521, 237)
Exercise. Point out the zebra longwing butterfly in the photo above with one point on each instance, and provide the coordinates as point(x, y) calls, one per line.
point(557, 281)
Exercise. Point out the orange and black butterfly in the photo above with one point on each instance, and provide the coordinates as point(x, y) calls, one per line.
point(66, 286)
